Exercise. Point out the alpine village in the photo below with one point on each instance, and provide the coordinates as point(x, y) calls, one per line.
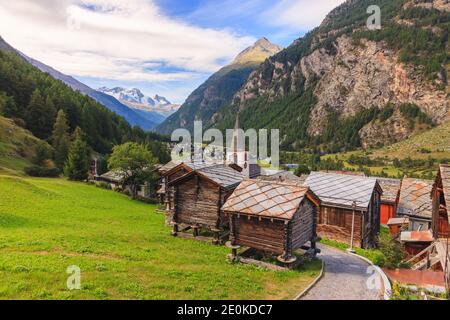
point(362, 189)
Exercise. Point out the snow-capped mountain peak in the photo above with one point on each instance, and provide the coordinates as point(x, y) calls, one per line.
point(134, 98)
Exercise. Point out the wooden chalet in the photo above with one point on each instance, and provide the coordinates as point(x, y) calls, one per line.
point(176, 169)
point(115, 179)
point(272, 217)
point(198, 198)
point(389, 199)
point(441, 201)
point(350, 206)
point(415, 203)
point(441, 219)
point(436, 255)
point(172, 171)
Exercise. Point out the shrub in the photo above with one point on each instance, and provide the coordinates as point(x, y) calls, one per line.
point(38, 171)
point(302, 169)
point(103, 185)
point(147, 200)
point(374, 255)
point(392, 250)
point(20, 122)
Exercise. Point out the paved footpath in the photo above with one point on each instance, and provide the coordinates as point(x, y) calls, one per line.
point(345, 278)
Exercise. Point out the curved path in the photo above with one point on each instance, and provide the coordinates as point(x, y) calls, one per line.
point(345, 278)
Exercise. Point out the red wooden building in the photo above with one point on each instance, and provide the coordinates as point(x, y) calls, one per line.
point(441, 201)
point(441, 218)
point(389, 199)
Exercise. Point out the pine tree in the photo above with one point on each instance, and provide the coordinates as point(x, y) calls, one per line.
point(8, 107)
point(40, 116)
point(77, 164)
point(61, 139)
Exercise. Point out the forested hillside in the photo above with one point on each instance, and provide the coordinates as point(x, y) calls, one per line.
point(343, 86)
point(33, 98)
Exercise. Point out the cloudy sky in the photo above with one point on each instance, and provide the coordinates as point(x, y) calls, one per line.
point(167, 47)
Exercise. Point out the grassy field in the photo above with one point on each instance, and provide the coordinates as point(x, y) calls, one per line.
point(122, 247)
point(436, 141)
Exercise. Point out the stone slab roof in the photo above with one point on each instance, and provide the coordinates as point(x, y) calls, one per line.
point(415, 198)
point(342, 190)
point(266, 198)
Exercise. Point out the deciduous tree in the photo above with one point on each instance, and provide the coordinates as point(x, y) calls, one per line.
point(135, 163)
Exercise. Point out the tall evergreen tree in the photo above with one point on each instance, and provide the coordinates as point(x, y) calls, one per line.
point(8, 107)
point(61, 139)
point(77, 164)
point(40, 115)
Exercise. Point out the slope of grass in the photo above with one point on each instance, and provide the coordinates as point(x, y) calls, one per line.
point(122, 247)
point(17, 147)
point(436, 141)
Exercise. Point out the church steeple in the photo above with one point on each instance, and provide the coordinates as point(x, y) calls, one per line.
point(237, 124)
point(236, 143)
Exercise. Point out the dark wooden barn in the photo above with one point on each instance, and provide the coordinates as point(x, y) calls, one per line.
point(274, 217)
point(198, 198)
point(172, 171)
point(350, 206)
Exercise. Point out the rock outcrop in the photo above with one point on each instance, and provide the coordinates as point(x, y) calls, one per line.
point(348, 74)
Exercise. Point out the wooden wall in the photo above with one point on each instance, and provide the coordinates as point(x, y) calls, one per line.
point(336, 224)
point(303, 225)
point(262, 235)
point(371, 221)
point(169, 196)
point(387, 211)
point(440, 225)
point(197, 203)
point(270, 236)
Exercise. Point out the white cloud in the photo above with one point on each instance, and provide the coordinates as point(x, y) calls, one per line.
point(300, 15)
point(125, 40)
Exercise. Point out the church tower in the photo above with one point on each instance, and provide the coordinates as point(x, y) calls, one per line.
point(237, 153)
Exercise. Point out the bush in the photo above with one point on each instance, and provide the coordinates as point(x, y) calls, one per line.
point(393, 252)
point(38, 171)
point(374, 255)
point(302, 169)
point(103, 185)
point(147, 200)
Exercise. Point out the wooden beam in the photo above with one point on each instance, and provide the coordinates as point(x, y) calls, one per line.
point(219, 206)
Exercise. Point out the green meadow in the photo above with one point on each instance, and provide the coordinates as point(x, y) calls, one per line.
point(122, 247)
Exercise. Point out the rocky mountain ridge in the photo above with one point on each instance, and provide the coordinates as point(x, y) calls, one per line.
point(330, 88)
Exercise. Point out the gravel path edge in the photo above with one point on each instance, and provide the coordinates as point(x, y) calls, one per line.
point(313, 284)
point(387, 289)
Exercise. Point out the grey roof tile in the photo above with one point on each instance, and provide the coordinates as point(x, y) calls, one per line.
point(342, 190)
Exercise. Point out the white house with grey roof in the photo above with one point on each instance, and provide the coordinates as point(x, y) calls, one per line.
point(350, 207)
